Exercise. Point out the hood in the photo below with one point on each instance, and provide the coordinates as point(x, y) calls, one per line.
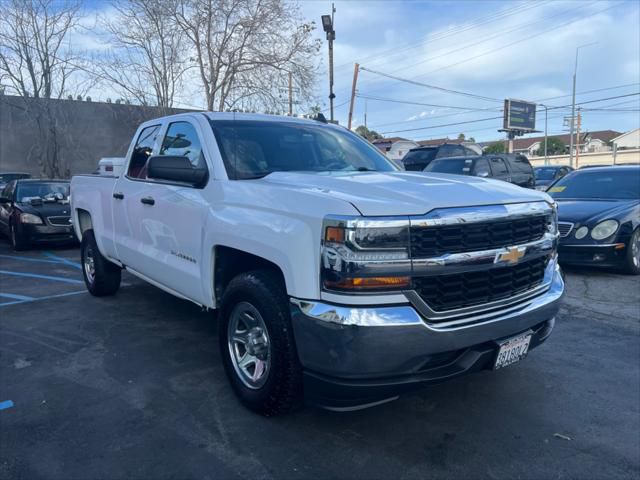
point(404, 193)
point(47, 209)
point(592, 211)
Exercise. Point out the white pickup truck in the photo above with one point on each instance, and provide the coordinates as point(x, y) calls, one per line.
point(337, 278)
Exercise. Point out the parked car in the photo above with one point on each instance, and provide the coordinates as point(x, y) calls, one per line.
point(548, 174)
point(338, 278)
point(35, 211)
point(6, 177)
point(417, 159)
point(599, 217)
point(511, 168)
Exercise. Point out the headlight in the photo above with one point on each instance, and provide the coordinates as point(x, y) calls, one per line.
point(604, 229)
point(364, 255)
point(30, 218)
point(582, 232)
point(552, 222)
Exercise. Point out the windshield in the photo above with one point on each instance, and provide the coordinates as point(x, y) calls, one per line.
point(52, 192)
point(424, 155)
point(545, 173)
point(621, 184)
point(252, 149)
point(459, 166)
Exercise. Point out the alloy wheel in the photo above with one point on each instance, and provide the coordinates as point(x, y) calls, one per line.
point(249, 345)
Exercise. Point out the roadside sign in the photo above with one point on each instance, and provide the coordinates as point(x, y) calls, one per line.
point(519, 115)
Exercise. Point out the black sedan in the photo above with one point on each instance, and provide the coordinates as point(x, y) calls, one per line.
point(599, 217)
point(35, 211)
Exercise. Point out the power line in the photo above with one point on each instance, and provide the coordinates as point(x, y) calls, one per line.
point(434, 87)
point(491, 18)
point(474, 57)
point(471, 110)
point(492, 37)
point(495, 118)
point(409, 102)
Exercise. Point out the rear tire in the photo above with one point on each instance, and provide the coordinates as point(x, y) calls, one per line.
point(101, 277)
point(255, 335)
point(15, 239)
point(632, 258)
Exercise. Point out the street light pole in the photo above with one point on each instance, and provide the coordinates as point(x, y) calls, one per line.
point(573, 103)
point(327, 25)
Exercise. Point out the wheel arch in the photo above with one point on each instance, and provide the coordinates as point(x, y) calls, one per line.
point(229, 262)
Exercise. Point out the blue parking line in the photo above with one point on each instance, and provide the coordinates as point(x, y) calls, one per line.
point(68, 294)
point(66, 261)
point(44, 277)
point(28, 259)
point(14, 296)
point(6, 404)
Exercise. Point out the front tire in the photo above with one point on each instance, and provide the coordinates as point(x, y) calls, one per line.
point(15, 239)
point(632, 258)
point(257, 344)
point(101, 277)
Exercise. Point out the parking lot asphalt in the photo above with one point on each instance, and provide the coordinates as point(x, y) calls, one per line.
point(132, 386)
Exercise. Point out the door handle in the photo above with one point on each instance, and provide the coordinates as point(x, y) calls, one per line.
point(118, 195)
point(148, 200)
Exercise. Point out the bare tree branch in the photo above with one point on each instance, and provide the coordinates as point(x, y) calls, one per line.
point(33, 56)
point(244, 49)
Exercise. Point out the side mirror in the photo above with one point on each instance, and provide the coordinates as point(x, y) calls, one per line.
point(482, 174)
point(175, 169)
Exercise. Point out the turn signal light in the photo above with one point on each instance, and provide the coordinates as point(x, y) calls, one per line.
point(334, 234)
point(369, 283)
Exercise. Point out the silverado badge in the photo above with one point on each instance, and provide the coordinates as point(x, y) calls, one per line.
point(512, 255)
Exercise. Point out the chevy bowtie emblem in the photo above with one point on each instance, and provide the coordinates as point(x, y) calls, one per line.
point(512, 255)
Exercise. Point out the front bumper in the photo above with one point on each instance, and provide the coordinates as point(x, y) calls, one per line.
point(359, 356)
point(32, 233)
point(607, 255)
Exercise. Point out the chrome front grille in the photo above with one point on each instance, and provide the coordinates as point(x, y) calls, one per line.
point(60, 221)
point(472, 260)
point(472, 237)
point(564, 228)
point(467, 289)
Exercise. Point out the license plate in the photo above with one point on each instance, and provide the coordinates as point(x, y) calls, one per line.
point(512, 350)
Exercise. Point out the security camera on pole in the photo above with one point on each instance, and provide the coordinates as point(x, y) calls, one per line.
point(327, 25)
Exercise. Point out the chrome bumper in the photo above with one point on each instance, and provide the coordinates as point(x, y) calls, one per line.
point(370, 342)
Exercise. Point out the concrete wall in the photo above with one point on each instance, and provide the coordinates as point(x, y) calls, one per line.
point(59, 138)
point(599, 158)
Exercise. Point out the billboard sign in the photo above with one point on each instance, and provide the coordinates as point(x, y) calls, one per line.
point(519, 115)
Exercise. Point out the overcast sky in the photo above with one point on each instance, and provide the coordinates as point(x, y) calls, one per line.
point(492, 49)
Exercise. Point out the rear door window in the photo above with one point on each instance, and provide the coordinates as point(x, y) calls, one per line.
point(142, 151)
point(498, 166)
point(481, 168)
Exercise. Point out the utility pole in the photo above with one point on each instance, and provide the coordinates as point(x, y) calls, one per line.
point(578, 139)
point(290, 94)
point(356, 68)
point(365, 113)
point(327, 25)
point(573, 103)
point(546, 138)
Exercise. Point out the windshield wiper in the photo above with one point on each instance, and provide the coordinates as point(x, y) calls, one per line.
point(365, 169)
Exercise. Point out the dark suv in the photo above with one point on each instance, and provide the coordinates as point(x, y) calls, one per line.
point(417, 159)
point(511, 168)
